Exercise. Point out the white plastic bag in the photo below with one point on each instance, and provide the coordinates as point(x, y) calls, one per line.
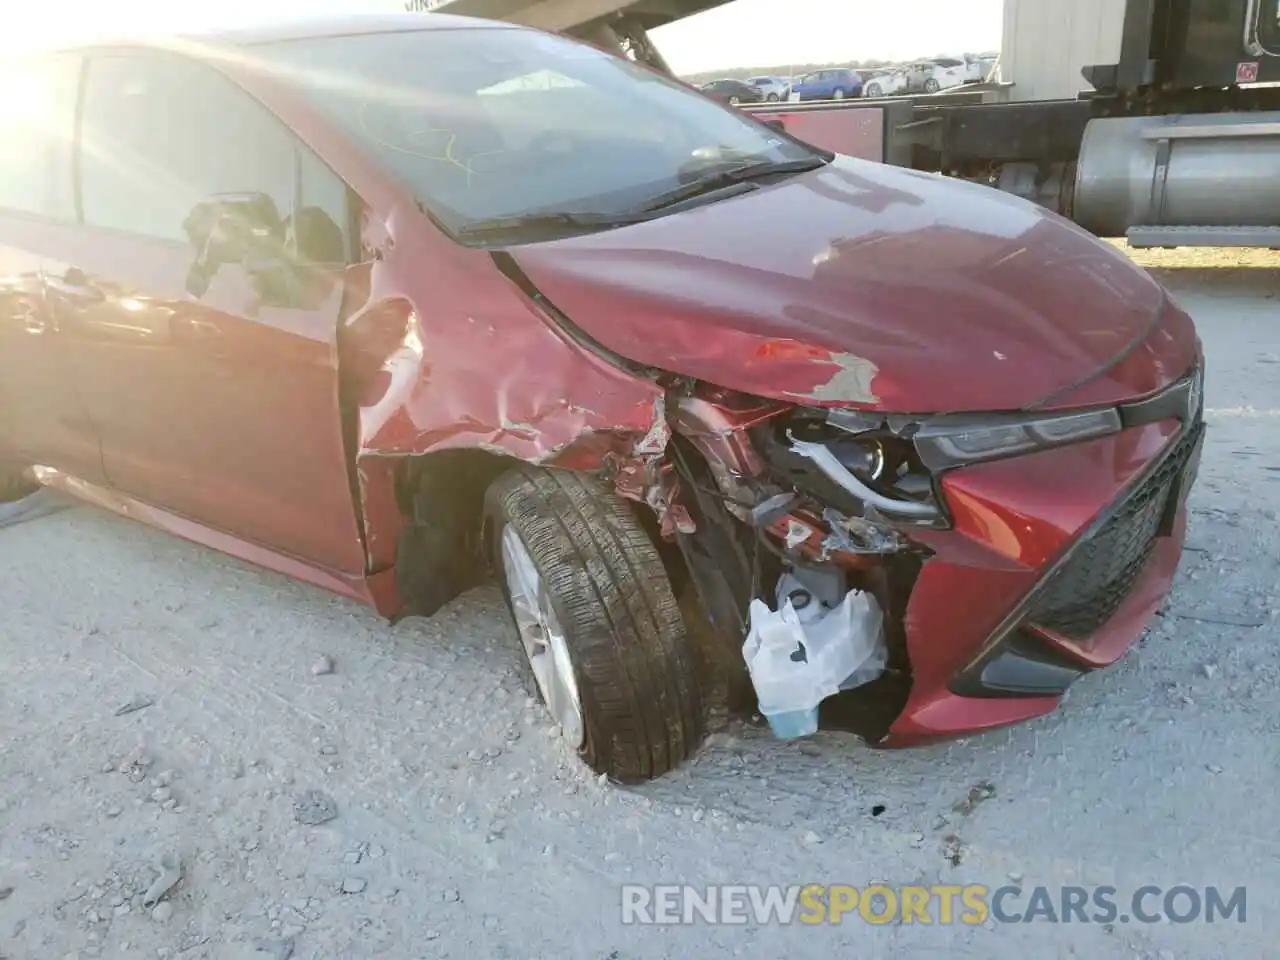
point(799, 658)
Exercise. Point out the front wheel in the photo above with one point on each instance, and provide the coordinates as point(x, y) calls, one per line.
point(598, 621)
point(931, 85)
point(772, 98)
point(838, 95)
point(734, 101)
point(874, 91)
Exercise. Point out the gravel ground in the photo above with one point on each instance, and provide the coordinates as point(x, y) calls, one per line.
point(462, 827)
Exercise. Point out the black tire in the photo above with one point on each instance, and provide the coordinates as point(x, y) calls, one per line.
point(873, 91)
point(931, 85)
point(772, 98)
point(632, 660)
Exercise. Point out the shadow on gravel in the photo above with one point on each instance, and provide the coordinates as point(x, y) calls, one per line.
point(39, 504)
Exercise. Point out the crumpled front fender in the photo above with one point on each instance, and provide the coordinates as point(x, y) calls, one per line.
point(438, 350)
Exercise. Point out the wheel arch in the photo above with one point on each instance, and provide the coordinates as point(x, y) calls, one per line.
point(446, 540)
point(441, 551)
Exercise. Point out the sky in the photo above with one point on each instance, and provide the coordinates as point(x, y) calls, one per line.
point(742, 33)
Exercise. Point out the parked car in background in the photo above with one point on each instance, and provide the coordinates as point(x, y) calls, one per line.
point(931, 76)
point(978, 69)
point(773, 88)
point(887, 84)
point(928, 76)
point(835, 84)
point(732, 91)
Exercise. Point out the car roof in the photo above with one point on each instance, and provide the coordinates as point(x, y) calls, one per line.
point(313, 28)
point(310, 28)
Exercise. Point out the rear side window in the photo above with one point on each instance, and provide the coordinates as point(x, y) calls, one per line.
point(161, 134)
point(37, 113)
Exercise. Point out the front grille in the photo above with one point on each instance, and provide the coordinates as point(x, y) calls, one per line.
point(1089, 588)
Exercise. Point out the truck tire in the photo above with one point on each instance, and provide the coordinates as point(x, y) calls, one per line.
point(598, 621)
point(931, 85)
point(873, 90)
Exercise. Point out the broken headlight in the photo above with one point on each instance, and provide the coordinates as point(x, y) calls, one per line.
point(947, 443)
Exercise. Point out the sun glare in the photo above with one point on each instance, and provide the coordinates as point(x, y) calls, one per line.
point(24, 98)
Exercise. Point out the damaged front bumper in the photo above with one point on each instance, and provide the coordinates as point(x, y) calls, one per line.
point(1011, 554)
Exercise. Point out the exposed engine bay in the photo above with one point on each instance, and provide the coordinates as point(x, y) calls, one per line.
point(752, 489)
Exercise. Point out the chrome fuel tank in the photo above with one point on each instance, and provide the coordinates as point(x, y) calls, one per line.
point(1191, 170)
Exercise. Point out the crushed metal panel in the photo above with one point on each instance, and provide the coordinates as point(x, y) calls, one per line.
point(480, 368)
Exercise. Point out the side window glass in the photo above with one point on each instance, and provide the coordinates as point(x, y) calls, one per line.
point(37, 114)
point(321, 235)
point(165, 140)
point(161, 135)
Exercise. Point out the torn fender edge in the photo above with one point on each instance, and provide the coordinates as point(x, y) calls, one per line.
point(504, 374)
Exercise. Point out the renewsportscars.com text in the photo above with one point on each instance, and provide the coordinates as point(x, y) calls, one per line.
point(967, 905)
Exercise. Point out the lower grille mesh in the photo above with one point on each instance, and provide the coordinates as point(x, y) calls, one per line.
point(1087, 591)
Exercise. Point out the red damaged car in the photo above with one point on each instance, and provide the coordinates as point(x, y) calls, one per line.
point(388, 303)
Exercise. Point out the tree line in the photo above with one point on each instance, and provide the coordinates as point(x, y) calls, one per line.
point(799, 69)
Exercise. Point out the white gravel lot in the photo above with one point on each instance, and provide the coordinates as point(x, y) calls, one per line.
point(463, 830)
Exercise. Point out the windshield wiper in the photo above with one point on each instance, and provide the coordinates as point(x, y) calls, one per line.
point(544, 222)
point(564, 220)
point(726, 177)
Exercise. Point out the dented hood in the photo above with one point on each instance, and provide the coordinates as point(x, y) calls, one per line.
point(860, 284)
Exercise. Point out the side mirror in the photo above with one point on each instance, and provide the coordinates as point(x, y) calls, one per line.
point(231, 228)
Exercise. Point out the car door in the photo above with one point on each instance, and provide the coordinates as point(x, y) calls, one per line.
point(42, 421)
point(200, 305)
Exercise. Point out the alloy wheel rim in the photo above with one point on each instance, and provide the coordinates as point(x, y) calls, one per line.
point(542, 637)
